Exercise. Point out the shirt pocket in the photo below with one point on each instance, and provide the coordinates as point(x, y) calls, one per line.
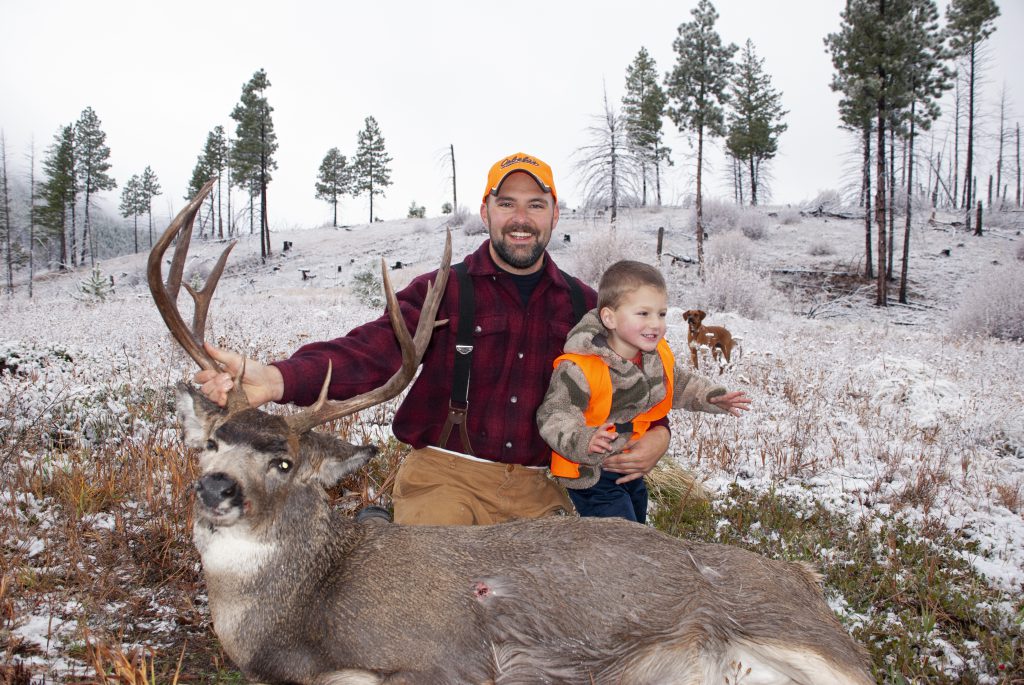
point(490, 350)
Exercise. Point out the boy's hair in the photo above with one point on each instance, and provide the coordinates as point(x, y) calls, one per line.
point(625, 277)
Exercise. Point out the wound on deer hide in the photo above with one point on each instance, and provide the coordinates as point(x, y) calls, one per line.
point(481, 590)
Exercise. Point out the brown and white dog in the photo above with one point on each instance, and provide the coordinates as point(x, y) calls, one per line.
point(715, 337)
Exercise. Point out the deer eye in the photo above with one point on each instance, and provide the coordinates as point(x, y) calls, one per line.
point(211, 445)
point(282, 465)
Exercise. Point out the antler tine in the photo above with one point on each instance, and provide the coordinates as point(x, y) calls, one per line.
point(166, 295)
point(413, 347)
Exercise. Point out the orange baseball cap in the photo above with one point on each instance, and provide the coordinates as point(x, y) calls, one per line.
point(520, 161)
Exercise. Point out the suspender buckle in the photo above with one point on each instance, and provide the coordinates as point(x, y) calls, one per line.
point(464, 349)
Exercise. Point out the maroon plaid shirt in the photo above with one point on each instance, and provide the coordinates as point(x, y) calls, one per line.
point(513, 351)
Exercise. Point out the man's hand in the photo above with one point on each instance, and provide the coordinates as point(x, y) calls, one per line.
point(262, 383)
point(643, 454)
point(735, 402)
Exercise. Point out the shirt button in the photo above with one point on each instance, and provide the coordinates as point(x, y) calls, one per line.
point(508, 445)
point(514, 399)
point(520, 355)
point(478, 330)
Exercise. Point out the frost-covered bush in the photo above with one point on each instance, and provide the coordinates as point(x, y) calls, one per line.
point(417, 211)
point(367, 287)
point(819, 247)
point(97, 286)
point(717, 216)
point(994, 304)
point(733, 245)
point(997, 219)
point(601, 250)
point(753, 224)
point(826, 200)
point(789, 216)
point(459, 217)
point(473, 226)
point(732, 285)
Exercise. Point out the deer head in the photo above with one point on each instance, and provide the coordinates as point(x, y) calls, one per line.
point(250, 457)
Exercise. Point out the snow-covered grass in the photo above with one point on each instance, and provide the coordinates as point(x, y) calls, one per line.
point(884, 445)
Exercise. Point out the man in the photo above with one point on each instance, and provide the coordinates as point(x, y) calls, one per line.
point(482, 461)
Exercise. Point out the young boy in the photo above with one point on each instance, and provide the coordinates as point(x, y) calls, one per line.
point(616, 377)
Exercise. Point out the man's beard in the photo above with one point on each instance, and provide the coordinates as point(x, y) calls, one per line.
point(519, 258)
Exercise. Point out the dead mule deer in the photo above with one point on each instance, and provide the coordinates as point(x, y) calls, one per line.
point(302, 594)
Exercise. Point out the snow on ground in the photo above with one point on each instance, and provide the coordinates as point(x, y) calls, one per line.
point(863, 408)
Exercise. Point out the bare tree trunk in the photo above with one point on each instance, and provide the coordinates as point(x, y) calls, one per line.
point(968, 170)
point(955, 168)
point(657, 167)
point(455, 195)
point(700, 204)
point(1018, 165)
point(866, 184)
point(6, 207)
point(31, 215)
point(881, 295)
point(1002, 139)
point(906, 226)
point(753, 182)
point(892, 202)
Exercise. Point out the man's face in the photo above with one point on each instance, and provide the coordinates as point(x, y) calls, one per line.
point(520, 220)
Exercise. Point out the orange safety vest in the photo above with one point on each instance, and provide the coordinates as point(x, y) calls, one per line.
point(600, 380)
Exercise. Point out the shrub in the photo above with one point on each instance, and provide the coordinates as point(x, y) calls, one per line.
point(473, 226)
point(733, 245)
point(826, 200)
point(731, 285)
point(459, 217)
point(753, 224)
point(97, 286)
point(446, 208)
point(417, 212)
point(820, 247)
point(367, 288)
point(604, 248)
point(717, 216)
point(789, 216)
point(994, 306)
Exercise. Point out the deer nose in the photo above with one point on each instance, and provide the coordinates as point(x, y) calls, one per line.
point(215, 488)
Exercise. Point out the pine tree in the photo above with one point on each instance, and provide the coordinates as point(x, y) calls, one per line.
point(252, 154)
point(57, 191)
point(643, 107)
point(755, 122)
point(870, 53)
point(334, 180)
point(697, 90)
point(131, 204)
point(150, 188)
point(970, 23)
point(371, 173)
point(215, 154)
point(92, 165)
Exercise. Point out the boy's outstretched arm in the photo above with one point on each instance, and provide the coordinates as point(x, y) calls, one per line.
point(735, 402)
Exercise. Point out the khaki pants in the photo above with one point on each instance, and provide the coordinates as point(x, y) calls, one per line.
point(435, 488)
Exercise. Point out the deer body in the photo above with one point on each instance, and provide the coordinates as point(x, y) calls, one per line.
point(301, 593)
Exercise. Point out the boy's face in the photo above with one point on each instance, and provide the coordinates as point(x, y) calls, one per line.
point(638, 323)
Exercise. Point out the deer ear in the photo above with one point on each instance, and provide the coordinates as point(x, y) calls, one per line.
point(341, 460)
point(197, 414)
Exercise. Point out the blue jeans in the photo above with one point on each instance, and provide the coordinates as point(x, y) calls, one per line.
point(606, 499)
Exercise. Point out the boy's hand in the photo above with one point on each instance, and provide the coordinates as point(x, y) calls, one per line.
point(601, 441)
point(735, 402)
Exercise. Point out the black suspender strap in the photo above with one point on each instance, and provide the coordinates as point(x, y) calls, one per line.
point(458, 405)
point(579, 305)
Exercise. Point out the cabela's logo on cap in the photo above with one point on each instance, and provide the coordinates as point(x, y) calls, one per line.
point(509, 161)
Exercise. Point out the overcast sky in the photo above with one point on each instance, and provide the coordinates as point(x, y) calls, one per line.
point(488, 78)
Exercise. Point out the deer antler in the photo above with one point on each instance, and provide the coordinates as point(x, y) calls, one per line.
point(166, 295)
point(412, 347)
